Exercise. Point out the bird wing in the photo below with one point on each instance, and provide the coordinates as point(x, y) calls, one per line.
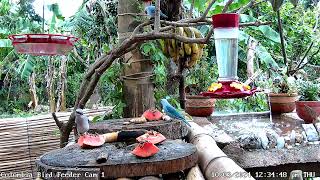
point(171, 110)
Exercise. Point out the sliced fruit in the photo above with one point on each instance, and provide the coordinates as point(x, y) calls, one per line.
point(145, 150)
point(138, 120)
point(152, 115)
point(91, 141)
point(151, 136)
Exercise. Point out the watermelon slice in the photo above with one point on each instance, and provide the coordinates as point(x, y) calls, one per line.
point(145, 150)
point(152, 115)
point(151, 136)
point(91, 141)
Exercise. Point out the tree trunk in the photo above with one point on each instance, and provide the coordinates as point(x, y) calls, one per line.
point(32, 89)
point(135, 65)
point(250, 57)
point(61, 102)
point(169, 8)
point(182, 93)
point(50, 83)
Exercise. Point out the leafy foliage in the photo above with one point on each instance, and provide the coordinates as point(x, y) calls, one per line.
point(309, 91)
point(152, 49)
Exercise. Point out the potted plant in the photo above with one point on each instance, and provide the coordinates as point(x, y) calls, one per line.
point(308, 106)
point(197, 80)
point(283, 95)
point(197, 105)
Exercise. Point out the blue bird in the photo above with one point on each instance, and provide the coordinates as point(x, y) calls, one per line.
point(151, 10)
point(172, 112)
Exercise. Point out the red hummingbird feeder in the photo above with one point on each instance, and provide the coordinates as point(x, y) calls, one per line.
point(226, 33)
point(43, 44)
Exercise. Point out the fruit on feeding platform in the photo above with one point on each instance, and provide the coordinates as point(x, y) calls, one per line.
point(91, 141)
point(138, 120)
point(152, 115)
point(146, 149)
point(151, 136)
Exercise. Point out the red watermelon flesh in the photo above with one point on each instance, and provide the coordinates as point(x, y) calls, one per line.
point(145, 150)
point(152, 115)
point(151, 136)
point(91, 141)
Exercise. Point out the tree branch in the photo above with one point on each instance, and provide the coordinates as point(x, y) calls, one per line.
point(58, 122)
point(283, 47)
point(204, 15)
point(246, 6)
point(312, 56)
point(191, 9)
point(305, 55)
point(79, 57)
point(157, 17)
point(225, 8)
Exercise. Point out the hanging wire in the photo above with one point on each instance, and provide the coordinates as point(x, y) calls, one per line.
point(42, 16)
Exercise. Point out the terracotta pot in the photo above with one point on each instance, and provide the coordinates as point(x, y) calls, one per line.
point(199, 106)
point(304, 114)
point(282, 102)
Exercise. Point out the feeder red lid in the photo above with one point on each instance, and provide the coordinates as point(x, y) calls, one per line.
point(43, 44)
point(225, 20)
point(228, 92)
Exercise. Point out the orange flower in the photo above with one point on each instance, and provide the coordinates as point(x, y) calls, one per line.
point(214, 87)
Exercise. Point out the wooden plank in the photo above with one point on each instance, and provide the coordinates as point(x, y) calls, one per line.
point(25, 139)
point(173, 129)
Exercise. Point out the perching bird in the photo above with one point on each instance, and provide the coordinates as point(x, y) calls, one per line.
point(172, 112)
point(82, 122)
point(151, 10)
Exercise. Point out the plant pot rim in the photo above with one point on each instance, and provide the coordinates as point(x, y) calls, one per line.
point(307, 101)
point(199, 106)
point(283, 94)
point(197, 97)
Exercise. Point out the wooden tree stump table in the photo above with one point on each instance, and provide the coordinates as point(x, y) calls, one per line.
point(75, 163)
point(173, 129)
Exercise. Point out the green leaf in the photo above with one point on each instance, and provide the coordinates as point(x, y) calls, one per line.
point(265, 57)
point(26, 68)
point(270, 33)
point(265, 29)
point(243, 36)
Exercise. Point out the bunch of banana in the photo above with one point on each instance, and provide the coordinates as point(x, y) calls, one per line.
point(190, 52)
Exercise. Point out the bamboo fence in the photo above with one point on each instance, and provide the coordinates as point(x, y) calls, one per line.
point(23, 140)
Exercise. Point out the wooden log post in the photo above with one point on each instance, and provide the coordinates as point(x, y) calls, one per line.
point(213, 162)
point(138, 87)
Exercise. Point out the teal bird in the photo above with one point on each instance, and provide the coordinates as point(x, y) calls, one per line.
point(151, 10)
point(172, 112)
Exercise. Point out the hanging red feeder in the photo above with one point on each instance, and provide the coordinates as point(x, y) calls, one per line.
point(226, 33)
point(43, 44)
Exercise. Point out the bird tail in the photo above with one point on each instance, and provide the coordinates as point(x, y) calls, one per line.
point(163, 15)
point(185, 121)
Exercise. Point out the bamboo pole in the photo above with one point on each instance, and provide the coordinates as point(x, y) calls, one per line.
point(195, 174)
point(213, 162)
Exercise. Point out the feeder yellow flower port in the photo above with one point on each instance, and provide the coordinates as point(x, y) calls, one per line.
point(240, 86)
point(214, 87)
